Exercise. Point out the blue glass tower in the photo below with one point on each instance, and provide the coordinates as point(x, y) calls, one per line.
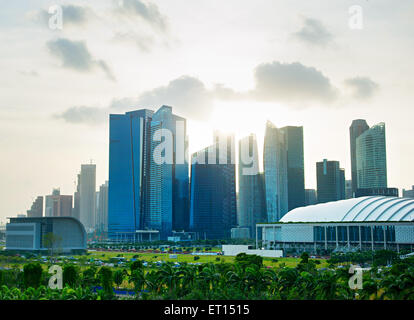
point(144, 194)
point(168, 196)
point(213, 208)
point(127, 184)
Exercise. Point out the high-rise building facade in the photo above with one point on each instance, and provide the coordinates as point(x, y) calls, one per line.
point(168, 180)
point(251, 197)
point(129, 138)
point(310, 197)
point(295, 166)
point(87, 201)
point(348, 189)
point(213, 207)
point(371, 158)
point(101, 224)
point(408, 193)
point(36, 210)
point(57, 205)
point(275, 173)
point(148, 173)
point(76, 200)
point(330, 181)
point(357, 127)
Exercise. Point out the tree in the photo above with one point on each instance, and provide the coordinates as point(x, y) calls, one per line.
point(105, 277)
point(70, 275)
point(304, 257)
point(118, 277)
point(51, 242)
point(136, 265)
point(88, 277)
point(32, 275)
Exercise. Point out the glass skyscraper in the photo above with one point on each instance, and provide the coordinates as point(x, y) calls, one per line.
point(252, 205)
point(275, 172)
point(213, 207)
point(168, 182)
point(371, 158)
point(330, 181)
point(143, 192)
point(357, 127)
point(295, 166)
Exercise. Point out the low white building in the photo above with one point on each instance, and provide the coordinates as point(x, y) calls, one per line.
point(234, 250)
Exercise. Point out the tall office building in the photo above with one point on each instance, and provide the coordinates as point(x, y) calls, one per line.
point(36, 210)
point(57, 205)
point(275, 160)
point(310, 197)
point(129, 139)
point(330, 181)
point(148, 173)
point(348, 189)
point(101, 224)
point(76, 200)
point(213, 190)
point(251, 198)
point(295, 166)
point(408, 193)
point(168, 180)
point(371, 158)
point(357, 127)
point(87, 189)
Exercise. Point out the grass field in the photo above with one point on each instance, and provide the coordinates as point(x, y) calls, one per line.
point(153, 257)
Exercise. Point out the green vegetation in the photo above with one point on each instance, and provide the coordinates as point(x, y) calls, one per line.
point(240, 277)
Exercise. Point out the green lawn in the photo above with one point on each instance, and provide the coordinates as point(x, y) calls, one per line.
point(153, 257)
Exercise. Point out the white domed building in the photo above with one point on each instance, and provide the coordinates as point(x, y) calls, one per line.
point(366, 223)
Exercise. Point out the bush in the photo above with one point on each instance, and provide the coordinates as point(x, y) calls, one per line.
point(196, 258)
point(70, 275)
point(32, 275)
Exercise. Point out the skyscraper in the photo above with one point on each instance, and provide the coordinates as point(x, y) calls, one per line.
point(330, 181)
point(102, 208)
point(371, 158)
point(58, 205)
point(148, 173)
point(213, 190)
point(408, 193)
point(168, 180)
point(348, 189)
point(295, 166)
point(76, 200)
point(87, 189)
point(310, 197)
point(129, 155)
point(251, 198)
point(275, 172)
point(36, 210)
point(357, 127)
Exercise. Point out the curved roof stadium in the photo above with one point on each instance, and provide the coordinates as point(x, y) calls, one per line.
point(374, 208)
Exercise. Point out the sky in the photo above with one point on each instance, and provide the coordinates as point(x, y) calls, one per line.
point(229, 65)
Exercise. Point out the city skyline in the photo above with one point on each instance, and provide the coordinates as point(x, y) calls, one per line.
point(213, 82)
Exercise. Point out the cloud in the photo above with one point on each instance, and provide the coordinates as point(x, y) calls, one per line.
point(147, 12)
point(314, 33)
point(187, 94)
point(362, 87)
point(143, 42)
point(75, 55)
point(83, 114)
point(292, 83)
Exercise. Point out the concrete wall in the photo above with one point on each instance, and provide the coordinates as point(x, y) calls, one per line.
point(234, 250)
